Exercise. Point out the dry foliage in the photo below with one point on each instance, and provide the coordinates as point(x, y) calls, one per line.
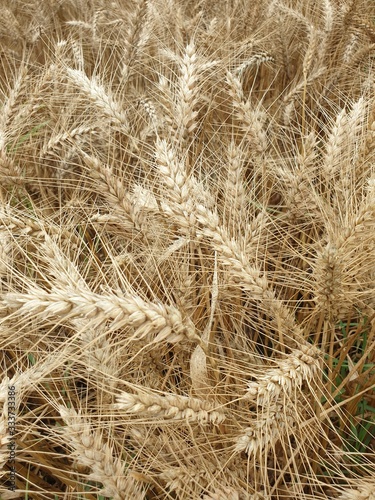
point(187, 249)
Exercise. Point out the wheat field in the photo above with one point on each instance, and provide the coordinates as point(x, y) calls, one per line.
point(187, 249)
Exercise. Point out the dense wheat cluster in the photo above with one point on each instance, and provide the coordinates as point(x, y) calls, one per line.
point(187, 249)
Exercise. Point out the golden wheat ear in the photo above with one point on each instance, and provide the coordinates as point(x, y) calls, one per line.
point(187, 249)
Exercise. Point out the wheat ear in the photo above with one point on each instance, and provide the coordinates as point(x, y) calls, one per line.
point(100, 97)
point(252, 120)
point(235, 211)
point(170, 407)
point(9, 106)
point(97, 355)
point(276, 421)
point(195, 219)
point(335, 264)
point(299, 366)
point(91, 450)
point(364, 491)
point(137, 35)
point(115, 193)
point(146, 318)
